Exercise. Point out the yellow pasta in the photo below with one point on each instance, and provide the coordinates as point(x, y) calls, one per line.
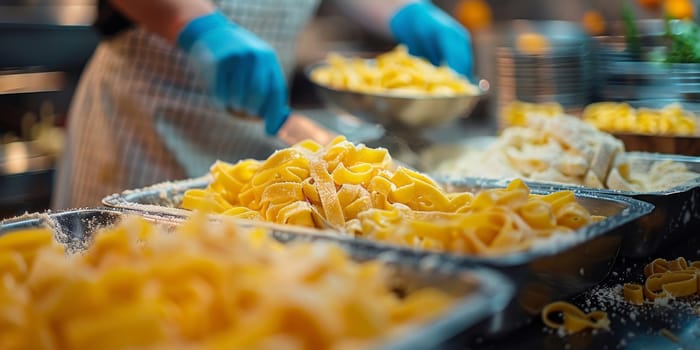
point(621, 117)
point(573, 319)
point(204, 286)
point(671, 284)
point(633, 293)
point(662, 265)
point(358, 189)
point(665, 279)
point(395, 72)
point(517, 112)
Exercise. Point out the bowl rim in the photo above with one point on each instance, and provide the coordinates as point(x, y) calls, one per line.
point(483, 86)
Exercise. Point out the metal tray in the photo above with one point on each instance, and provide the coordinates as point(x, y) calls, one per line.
point(482, 291)
point(546, 273)
point(676, 211)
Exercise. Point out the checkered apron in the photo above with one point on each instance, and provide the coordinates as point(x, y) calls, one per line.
point(141, 114)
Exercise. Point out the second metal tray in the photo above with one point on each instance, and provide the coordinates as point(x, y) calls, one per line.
point(482, 292)
point(676, 210)
point(546, 273)
point(676, 213)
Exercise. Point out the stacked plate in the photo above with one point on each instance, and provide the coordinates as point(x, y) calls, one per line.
point(557, 69)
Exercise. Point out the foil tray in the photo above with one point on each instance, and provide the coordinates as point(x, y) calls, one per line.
point(482, 292)
point(676, 212)
point(546, 273)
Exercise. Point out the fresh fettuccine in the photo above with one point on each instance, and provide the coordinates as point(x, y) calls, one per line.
point(359, 189)
point(205, 286)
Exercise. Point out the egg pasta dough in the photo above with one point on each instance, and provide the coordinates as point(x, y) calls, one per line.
point(360, 190)
point(205, 286)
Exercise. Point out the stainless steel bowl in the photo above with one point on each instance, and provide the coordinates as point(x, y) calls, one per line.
point(397, 111)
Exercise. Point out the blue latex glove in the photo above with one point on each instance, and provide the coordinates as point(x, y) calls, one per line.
point(429, 32)
point(241, 70)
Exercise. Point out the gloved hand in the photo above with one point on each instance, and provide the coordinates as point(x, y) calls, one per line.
point(429, 32)
point(242, 71)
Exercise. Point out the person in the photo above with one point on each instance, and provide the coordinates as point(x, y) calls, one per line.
point(154, 102)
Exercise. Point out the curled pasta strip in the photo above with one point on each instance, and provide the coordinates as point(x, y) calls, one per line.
point(662, 265)
point(665, 278)
point(327, 193)
point(671, 284)
point(634, 293)
point(243, 213)
point(205, 200)
point(538, 214)
point(574, 320)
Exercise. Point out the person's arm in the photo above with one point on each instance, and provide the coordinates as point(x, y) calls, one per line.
point(166, 18)
point(242, 71)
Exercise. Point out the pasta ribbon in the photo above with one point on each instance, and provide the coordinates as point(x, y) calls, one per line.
point(208, 285)
point(665, 278)
point(662, 265)
point(327, 193)
point(574, 320)
point(359, 190)
point(671, 284)
point(633, 293)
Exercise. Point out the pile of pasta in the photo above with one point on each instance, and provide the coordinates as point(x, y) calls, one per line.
point(206, 285)
point(358, 189)
point(621, 117)
point(394, 72)
point(665, 279)
point(561, 149)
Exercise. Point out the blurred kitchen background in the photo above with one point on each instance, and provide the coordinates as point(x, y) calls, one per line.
point(45, 44)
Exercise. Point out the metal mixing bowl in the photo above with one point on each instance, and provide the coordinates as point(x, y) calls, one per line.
point(397, 111)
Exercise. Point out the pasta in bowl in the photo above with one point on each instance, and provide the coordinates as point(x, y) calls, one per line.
point(394, 89)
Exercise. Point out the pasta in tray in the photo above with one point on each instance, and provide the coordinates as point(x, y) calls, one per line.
point(395, 72)
point(204, 286)
point(558, 149)
point(357, 188)
point(621, 117)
